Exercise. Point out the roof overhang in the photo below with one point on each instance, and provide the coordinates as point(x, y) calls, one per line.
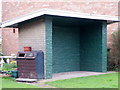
point(14, 22)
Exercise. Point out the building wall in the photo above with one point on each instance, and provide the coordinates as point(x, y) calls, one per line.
point(12, 9)
point(79, 46)
point(91, 48)
point(93, 7)
point(110, 29)
point(32, 34)
point(48, 58)
point(9, 41)
point(66, 49)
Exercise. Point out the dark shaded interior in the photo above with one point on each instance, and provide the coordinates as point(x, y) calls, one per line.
point(76, 45)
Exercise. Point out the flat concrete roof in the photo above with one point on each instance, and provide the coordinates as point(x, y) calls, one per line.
point(15, 21)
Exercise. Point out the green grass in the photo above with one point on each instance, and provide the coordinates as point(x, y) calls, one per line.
point(8, 82)
point(99, 81)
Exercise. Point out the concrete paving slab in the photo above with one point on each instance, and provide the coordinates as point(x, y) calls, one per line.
point(68, 75)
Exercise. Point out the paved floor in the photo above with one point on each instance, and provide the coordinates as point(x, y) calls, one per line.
point(67, 75)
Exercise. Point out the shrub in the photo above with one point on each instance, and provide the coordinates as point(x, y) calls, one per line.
point(8, 67)
point(113, 61)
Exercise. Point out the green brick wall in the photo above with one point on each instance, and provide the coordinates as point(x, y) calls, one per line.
point(48, 59)
point(104, 46)
point(92, 42)
point(66, 49)
point(75, 48)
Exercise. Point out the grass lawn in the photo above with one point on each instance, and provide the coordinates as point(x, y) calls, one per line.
point(100, 81)
point(7, 82)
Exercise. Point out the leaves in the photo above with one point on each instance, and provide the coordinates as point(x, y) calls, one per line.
point(7, 67)
point(115, 51)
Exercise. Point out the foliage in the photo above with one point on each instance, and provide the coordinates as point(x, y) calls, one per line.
point(8, 78)
point(13, 62)
point(115, 51)
point(8, 67)
point(99, 81)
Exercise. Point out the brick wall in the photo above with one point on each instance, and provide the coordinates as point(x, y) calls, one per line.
point(13, 9)
point(93, 47)
point(16, 8)
point(66, 50)
point(9, 41)
point(32, 34)
point(110, 29)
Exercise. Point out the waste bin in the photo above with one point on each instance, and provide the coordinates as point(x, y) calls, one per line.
point(30, 64)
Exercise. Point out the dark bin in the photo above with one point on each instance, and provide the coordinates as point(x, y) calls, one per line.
point(30, 64)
